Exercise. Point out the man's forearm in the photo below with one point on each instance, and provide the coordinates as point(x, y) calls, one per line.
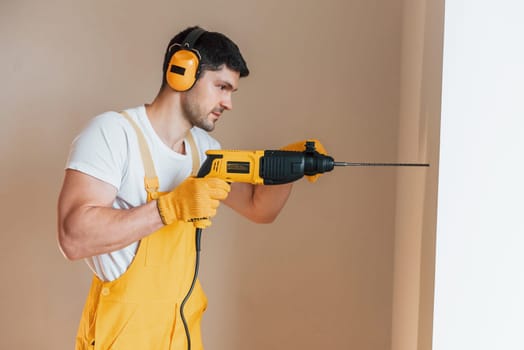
point(258, 203)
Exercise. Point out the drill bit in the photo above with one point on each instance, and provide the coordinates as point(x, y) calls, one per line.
point(380, 164)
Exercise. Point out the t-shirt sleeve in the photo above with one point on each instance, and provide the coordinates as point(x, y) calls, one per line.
point(100, 150)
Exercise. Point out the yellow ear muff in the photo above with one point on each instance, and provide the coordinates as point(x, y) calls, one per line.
point(182, 70)
point(184, 64)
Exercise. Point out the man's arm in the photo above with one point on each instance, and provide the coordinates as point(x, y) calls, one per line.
point(260, 204)
point(89, 226)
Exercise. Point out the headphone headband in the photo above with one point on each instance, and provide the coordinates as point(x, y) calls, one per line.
point(192, 37)
point(189, 41)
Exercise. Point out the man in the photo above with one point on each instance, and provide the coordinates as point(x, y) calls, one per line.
point(129, 206)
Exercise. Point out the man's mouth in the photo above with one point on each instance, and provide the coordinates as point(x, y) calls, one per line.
point(217, 112)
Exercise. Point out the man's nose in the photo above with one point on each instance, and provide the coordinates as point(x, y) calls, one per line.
point(227, 102)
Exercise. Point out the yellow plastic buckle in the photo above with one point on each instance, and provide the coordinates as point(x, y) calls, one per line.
point(151, 185)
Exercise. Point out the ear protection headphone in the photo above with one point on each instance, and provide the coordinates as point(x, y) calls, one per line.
point(184, 65)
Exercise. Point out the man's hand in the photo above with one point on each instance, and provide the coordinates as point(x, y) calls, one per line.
point(195, 199)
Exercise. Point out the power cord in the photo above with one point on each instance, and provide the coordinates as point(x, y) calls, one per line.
point(198, 235)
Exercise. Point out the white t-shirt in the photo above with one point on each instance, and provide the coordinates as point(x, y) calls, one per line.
point(108, 150)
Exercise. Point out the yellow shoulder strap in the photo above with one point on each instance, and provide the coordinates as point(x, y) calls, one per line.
point(150, 179)
point(194, 153)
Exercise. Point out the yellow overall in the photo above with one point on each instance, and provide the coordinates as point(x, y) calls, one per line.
point(141, 309)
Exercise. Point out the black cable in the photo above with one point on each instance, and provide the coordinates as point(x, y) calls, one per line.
point(198, 235)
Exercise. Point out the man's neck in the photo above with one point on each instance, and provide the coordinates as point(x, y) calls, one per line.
point(167, 120)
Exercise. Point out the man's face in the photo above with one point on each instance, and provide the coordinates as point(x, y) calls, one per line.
point(210, 97)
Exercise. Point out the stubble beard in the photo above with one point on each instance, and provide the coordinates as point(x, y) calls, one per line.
point(196, 116)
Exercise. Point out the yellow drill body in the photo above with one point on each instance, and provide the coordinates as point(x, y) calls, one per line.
point(235, 166)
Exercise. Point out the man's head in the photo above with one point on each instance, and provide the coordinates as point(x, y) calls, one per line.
point(214, 51)
point(202, 101)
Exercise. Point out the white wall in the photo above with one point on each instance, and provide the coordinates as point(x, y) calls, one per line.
point(479, 291)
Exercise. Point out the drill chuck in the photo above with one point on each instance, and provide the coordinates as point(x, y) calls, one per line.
point(318, 164)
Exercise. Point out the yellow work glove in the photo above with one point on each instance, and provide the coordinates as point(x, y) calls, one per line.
point(194, 200)
point(300, 146)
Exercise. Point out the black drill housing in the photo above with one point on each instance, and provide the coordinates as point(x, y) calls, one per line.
point(280, 167)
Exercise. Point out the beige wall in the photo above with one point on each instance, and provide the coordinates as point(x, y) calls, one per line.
point(322, 276)
point(419, 126)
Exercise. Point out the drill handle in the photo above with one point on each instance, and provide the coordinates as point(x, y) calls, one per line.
point(206, 167)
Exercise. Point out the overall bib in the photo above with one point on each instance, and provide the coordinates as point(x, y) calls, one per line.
point(141, 309)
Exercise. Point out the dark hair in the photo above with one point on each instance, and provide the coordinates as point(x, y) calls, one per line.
point(216, 50)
